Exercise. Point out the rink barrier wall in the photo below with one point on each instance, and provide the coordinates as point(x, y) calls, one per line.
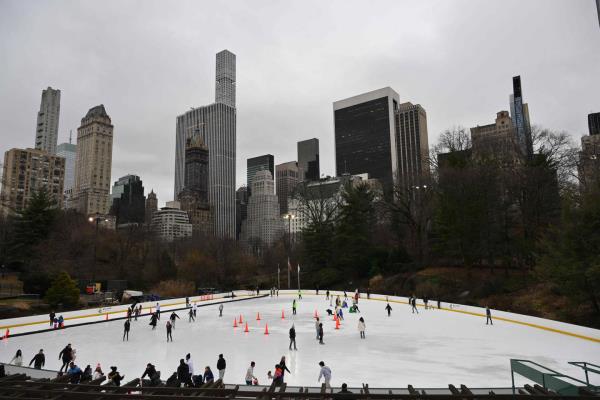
point(241, 297)
point(469, 310)
point(403, 300)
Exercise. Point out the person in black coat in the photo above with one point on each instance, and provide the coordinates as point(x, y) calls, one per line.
point(87, 374)
point(39, 360)
point(321, 334)
point(293, 337)
point(67, 355)
point(221, 365)
point(183, 373)
point(153, 374)
point(153, 320)
point(169, 331)
point(126, 328)
point(388, 308)
point(283, 368)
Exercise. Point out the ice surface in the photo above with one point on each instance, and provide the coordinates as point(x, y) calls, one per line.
point(431, 349)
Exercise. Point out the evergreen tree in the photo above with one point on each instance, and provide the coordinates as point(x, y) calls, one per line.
point(63, 291)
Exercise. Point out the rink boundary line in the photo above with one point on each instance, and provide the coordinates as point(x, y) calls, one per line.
point(246, 297)
point(514, 321)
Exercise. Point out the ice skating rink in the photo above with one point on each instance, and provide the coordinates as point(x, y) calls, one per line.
point(431, 349)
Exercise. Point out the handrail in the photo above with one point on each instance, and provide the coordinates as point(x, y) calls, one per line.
point(586, 369)
point(546, 377)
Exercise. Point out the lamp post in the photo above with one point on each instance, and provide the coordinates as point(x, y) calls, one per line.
point(289, 218)
point(97, 219)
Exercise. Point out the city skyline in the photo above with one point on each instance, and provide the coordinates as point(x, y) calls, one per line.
point(278, 87)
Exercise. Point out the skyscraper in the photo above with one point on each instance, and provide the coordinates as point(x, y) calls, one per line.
point(46, 129)
point(259, 163)
point(412, 144)
point(128, 200)
point(27, 171)
point(241, 209)
point(217, 124)
point(519, 113)
point(287, 179)
point(94, 162)
point(308, 160)
point(194, 196)
point(264, 224)
point(594, 123)
point(69, 152)
point(365, 135)
point(151, 206)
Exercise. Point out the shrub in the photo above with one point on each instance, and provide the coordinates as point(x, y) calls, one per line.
point(63, 290)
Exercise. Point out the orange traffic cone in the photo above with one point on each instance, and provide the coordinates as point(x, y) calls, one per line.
point(337, 324)
point(235, 323)
point(106, 316)
point(241, 320)
point(335, 318)
point(7, 334)
point(282, 315)
point(258, 316)
point(266, 329)
point(246, 329)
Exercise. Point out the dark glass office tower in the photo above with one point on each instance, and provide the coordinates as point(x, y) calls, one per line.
point(365, 135)
point(255, 164)
point(519, 112)
point(308, 160)
point(128, 200)
point(594, 123)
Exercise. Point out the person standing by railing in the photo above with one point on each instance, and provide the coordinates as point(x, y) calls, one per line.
point(18, 359)
point(325, 373)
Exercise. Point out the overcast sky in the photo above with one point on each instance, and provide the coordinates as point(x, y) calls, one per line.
point(149, 61)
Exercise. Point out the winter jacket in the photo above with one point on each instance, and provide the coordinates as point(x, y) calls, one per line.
point(361, 326)
point(65, 354)
point(325, 373)
point(183, 372)
point(250, 374)
point(18, 361)
point(292, 333)
point(221, 364)
point(38, 360)
point(208, 376)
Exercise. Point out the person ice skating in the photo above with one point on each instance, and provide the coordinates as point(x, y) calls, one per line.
point(317, 290)
point(17, 359)
point(97, 372)
point(61, 321)
point(187, 302)
point(317, 322)
point(66, 355)
point(345, 387)
point(173, 317)
point(329, 312)
point(388, 308)
point(169, 331)
point(278, 376)
point(345, 295)
point(321, 333)
point(126, 327)
point(294, 307)
point(208, 375)
point(425, 301)
point(283, 368)
point(87, 374)
point(190, 364)
point(114, 378)
point(221, 310)
point(299, 295)
point(368, 293)
point(129, 314)
point(183, 373)
point(344, 304)
point(158, 310)
point(414, 305)
point(153, 374)
point(327, 295)
point(488, 316)
point(52, 315)
point(439, 304)
point(338, 302)
point(340, 314)
point(250, 374)
point(293, 337)
point(361, 327)
point(221, 365)
point(195, 309)
point(153, 320)
point(191, 315)
point(136, 313)
point(39, 360)
point(74, 372)
point(325, 373)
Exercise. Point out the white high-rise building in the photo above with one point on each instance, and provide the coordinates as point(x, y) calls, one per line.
point(216, 124)
point(170, 223)
point(263, 224)
point(69, 152)
point(46, 129)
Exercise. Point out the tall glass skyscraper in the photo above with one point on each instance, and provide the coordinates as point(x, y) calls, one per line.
point(217, 126)
point(308, 160)
point(519, 113)
point(46, 128)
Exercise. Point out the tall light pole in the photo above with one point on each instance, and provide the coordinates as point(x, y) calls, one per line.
point(289, 218)
point(97, 219)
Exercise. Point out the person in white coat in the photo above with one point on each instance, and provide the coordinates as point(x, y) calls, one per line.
point(361, 327)
point(325, 374)
point(17, 359)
